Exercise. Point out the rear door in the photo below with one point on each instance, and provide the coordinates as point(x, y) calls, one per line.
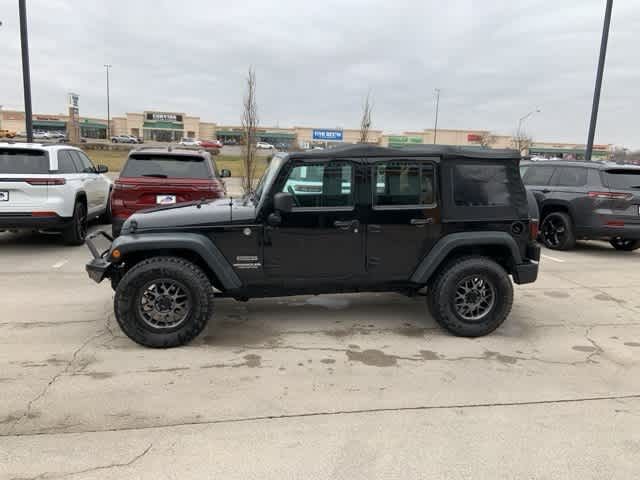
point(94, 183)
point(624, 187)
point(150, 179)
point(23, 175)
point(404, 218)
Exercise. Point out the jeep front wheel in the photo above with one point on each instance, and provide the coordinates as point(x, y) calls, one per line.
point(471, 297)
point(163, 302)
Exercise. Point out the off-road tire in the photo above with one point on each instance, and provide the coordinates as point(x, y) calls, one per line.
point(442, 295)
point(128, 293)
point(624, 245)
point(568, 239)
point(76, 232)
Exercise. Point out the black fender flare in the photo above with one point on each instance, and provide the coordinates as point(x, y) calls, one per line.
point(194, 242)
point(447, 244)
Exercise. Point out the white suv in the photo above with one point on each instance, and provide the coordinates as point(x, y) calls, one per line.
point(51, 187)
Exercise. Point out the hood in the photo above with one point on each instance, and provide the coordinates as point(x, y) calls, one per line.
point(191, 215)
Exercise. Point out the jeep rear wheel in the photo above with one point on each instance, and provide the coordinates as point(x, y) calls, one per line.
point(471, 297)
point(163, 302)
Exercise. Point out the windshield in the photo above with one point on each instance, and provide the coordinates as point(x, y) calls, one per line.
point(267, 177)
point(20, 161)
point(622, 178)
point(166, 166)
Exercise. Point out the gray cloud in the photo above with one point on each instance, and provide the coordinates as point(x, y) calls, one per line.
point(493, 60)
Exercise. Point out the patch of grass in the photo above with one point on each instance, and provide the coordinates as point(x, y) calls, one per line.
point(115, 161)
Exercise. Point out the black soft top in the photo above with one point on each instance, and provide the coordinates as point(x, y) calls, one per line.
point(440, 151)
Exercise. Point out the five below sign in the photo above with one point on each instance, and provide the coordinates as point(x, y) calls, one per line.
point(328, 135)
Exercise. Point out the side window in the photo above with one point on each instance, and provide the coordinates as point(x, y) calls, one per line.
point(481, 185)
point(66, 163)
point(83, 160)
point(538, 175)
point(570, 177)
point(321, 185)
point(403, 182)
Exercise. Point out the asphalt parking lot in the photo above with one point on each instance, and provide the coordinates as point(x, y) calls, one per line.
point(338, 386)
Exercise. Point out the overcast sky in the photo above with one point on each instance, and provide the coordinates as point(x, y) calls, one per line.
point(494, 60)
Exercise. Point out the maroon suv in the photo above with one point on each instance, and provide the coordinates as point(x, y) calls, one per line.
point(155, 177)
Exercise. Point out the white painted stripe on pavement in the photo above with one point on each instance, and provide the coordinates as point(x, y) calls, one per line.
point(559, 260)
point(61, 263)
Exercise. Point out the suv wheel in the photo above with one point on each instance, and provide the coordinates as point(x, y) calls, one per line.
point(76, 232)
point(163, 302)
point(625, 244)
point(106, 217)
point(471, 297)
point(556, 231)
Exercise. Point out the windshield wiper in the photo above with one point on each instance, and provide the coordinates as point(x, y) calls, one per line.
point(154, 175)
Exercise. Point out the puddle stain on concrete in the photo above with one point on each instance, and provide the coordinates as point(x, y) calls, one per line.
point(632, 344)
point(603, 297)
point(373, 358)
point(328, 361)
point(251, 360)
point(507, 359)
point(556, 294)
point(584, 348)
point(429, 355)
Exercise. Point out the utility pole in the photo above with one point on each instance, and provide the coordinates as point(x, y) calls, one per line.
point(435, 129)
point(596, 93)
point(522, 119)
point(107, 66)
point(26, 75)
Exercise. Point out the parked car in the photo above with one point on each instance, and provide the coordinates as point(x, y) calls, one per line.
point(264, 146)
point(190, 142)
point(586, 200)
point(230, 142)
point(455, 221)
point(164, 176)
point(134, 139)
point(210, 143)
point(122, 139)
point(4, 133)
point(52, 187)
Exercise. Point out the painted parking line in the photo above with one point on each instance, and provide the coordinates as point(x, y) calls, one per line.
point(61, 263)
point(548, 257)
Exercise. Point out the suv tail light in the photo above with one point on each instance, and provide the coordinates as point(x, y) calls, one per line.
point(533, 229)
point(45, 181)
point(122, 186)
point(611, 195)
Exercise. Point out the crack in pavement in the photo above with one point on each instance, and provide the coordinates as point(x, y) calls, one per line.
point(47, 475)
point(53, 380)
point(525, 403)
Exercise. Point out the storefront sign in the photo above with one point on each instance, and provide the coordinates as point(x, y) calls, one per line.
point(164, 117)
point(72, 100)
point(400, 140)
point(328, 135)
point(474, 137)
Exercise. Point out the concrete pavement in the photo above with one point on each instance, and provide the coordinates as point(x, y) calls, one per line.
point(336, 386)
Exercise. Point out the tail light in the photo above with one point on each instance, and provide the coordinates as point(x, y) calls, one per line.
point(210, 187)
point(533, 229)
point(43, 214)
point(122, 186)
point(611, 195)
point(45, 181)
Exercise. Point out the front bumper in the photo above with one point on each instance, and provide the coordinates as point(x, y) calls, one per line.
point(98, 268)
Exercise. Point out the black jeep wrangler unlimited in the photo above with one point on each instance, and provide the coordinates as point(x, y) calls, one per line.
point(350, 219)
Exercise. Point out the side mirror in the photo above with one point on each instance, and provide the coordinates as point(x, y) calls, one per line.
point(283, 202)
point(102, 169)
point(224, 173)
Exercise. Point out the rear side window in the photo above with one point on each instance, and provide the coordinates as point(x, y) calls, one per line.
point(23, 161)
point(622, 179)
point(167, 166)
point(481, 185)
point(570, 177)
point(322, 185)
point(66, 163)
point(403, 183)
point(538, 175)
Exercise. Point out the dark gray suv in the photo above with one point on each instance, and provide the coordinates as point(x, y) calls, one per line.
point(585, 200)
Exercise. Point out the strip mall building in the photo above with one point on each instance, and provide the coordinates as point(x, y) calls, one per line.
point(157, 126)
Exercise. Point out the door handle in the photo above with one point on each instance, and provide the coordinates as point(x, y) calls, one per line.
point(421, 221)
point(374, 228)
point(346, 224)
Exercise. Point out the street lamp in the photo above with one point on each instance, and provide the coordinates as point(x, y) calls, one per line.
point(107, 66)
point(522, 119)
point(26, 75)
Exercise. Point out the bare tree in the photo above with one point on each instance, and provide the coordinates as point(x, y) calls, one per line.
point(521, 141)
point(487, 139)
point(249, 126)
point(365, 122)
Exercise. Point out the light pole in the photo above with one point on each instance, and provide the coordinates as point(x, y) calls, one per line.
point(519, 130)
point(435, 128)
point(26, 75)
point(596, 93)
point(107, 66)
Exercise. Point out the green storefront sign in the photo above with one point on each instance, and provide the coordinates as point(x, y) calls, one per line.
point(403, 140)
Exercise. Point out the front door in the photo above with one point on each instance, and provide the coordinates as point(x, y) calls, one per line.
point(403, 222)
point(321, 239)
